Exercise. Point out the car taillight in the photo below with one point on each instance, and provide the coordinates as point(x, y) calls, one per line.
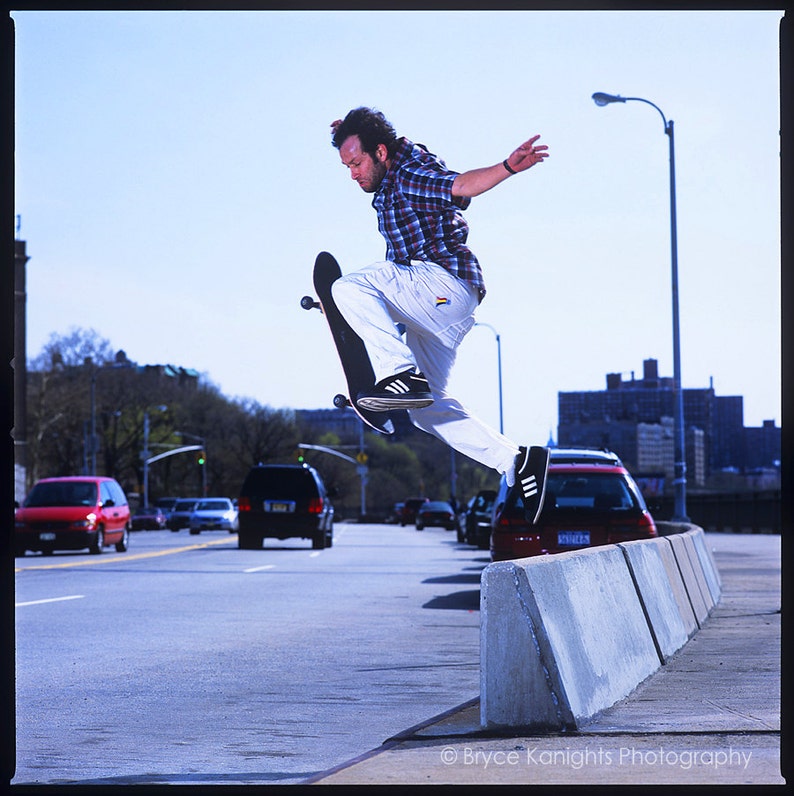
point(647, 524)
point(315, 505)
point(244, 504)
point(507, 521)
point(643, 525)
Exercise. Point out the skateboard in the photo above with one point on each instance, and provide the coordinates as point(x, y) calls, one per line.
point(350, 347)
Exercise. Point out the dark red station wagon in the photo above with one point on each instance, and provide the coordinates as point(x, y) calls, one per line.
point(591, 499)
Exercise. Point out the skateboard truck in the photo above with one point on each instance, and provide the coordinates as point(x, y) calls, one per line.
point(340, 401)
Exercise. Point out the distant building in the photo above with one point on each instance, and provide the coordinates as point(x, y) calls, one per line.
point(634, 418)
point(346, 424)
point(342, 422)
point(762, 446)
point(185, 377)
point(727, 449)
point(655, 448)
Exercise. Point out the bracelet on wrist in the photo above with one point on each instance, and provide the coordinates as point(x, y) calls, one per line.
point(507, 166)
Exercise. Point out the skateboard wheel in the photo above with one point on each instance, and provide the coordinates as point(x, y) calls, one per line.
point(308, 303)
point(341, 401)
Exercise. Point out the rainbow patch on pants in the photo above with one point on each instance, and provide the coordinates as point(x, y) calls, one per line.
point(441, 301)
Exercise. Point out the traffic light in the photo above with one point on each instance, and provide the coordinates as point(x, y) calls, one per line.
point(201, 458)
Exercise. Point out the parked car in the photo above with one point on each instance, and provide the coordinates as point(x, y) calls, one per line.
point(214, 514)
point(394, 515)
point(475, 523)
point(590, 500)
point(72, 513)
point(148, 518)
point(284, 501)
point(438, 513)
point(180, 515)
point(409, 509)
point(166, 505)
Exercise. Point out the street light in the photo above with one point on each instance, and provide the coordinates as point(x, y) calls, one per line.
point(679, 480)
point(145, 453)
point(499, 363)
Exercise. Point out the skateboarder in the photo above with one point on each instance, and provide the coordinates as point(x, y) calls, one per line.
point(431, 283)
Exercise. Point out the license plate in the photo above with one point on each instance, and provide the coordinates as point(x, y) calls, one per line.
point(573, 538)
point(47, 537)
point(279, 507)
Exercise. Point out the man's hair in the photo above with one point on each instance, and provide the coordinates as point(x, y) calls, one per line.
point(370, 126)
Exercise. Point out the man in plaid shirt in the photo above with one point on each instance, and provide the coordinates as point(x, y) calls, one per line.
point(430, 283)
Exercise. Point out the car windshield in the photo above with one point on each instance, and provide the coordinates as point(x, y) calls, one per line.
point(484, 502)
point(435, 505)
point(62, 493)
point(212, 505)
point(185, 505)
point(571, 490)
point(279, 483)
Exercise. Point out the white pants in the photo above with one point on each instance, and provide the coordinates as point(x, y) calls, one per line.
point(437, 310)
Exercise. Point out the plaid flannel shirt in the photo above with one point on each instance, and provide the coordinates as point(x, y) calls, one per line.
point(419, 217)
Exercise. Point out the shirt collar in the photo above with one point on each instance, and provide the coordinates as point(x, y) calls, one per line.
point(402, 151)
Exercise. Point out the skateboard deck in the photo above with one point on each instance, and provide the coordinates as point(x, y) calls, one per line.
point(350, 347)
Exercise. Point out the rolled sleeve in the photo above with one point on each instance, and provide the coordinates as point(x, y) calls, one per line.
point(429, 189)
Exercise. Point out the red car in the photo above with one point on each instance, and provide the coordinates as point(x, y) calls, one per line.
point(590, 500)
point(73, 513)
point(410, 509)
point(149, 518)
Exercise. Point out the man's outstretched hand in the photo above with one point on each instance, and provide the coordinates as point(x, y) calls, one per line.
point(527, 155)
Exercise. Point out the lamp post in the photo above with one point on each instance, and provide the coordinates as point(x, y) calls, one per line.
point(499, 364)
point(146, 453)
point(679, 479)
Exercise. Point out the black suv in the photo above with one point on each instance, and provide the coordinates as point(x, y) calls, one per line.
point(476, 523)
point(282, 501)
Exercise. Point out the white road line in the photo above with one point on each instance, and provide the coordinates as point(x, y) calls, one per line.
point(314, 555)
point(259, 569)
point(51, 600)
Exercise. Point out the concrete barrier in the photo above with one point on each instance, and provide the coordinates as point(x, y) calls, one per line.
point(693, 579)
point(563, 637)
point(708, 565)
point(662, 593)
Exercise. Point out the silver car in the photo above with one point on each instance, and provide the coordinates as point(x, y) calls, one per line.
point(214, 514)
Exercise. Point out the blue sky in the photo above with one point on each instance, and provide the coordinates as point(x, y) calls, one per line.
point(175, 180)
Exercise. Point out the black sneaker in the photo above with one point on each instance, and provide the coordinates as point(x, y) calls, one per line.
point(407, 390)
point(531, 467)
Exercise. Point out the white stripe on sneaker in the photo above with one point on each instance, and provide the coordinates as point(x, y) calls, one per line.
point(397, 387)
point(529, 485)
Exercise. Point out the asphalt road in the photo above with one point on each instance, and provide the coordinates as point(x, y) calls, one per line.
point(188, 661)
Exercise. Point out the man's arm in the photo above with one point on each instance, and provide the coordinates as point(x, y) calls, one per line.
point(477, 181)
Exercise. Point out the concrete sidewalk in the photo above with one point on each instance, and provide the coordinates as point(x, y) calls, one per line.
point(711, 715)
